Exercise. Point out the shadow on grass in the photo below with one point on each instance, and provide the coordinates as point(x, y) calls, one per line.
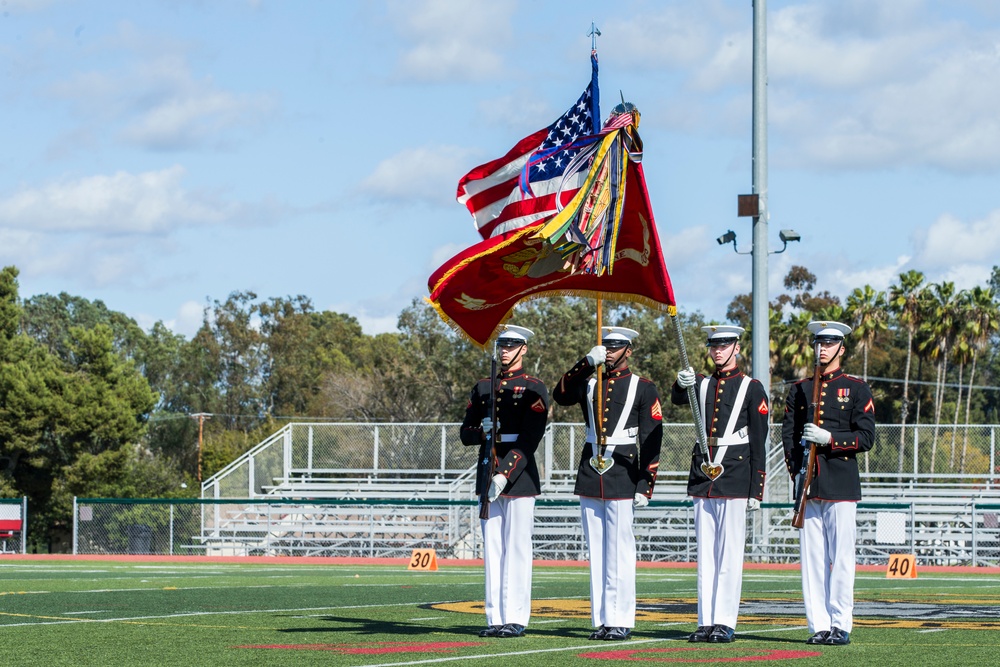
point(771, 639)
point(371, 627)
point(363, 626)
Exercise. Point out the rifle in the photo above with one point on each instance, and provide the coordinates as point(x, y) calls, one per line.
point(700, 434)
point(805, 475)
point(488, 450)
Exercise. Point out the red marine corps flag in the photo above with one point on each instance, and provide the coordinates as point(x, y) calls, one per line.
point(569, 218)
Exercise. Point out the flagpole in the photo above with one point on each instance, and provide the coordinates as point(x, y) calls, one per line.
point(599, 397)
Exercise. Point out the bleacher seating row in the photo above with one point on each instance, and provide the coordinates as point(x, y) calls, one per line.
point(941, 521)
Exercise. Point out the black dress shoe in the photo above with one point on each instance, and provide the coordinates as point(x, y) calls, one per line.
point(819, 637)
point(722, 634)
point(838, 637)
point(511, 630)
point(599, 633)
point(701, 634)
point(490, 631)
point(618, 634)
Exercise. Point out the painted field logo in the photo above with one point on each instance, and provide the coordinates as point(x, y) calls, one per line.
point(966, 614)
point(374, 648)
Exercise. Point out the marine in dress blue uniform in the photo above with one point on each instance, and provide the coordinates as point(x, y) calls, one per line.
point(617, 477)
point(844, 428)
point(522, 404)
point(728, 482)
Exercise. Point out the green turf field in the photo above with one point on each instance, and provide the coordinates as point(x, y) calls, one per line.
point(151, 613)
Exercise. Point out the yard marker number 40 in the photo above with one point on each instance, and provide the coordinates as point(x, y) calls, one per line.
point(901, 566)
point(423, 559)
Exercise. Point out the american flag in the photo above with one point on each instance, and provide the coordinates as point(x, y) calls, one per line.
point(521, 187)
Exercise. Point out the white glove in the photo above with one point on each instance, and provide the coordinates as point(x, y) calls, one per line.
point(686, 378)
point(752, 504)
point(814, 433)
point(597, 355)
point(488, 425)
point(497, 486)
point(640, 500)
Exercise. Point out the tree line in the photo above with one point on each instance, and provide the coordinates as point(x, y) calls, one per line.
point(91, 405)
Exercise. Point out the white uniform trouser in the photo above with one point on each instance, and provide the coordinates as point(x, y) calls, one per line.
point(607, 527)
point(720, 525)
point(826, 545)
point(508, 549)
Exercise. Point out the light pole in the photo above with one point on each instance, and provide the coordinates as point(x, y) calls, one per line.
point(786, 236)
point(761, 334)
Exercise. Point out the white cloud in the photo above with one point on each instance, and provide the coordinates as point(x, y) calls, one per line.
point(854, 89)
point(427, 174)
point(667, 36)
point(20, 7)
point(378, 317)
point(965, 276)
point(834, 48)
point(950, 242)
point(187, 321)
point(452, 40)
point(521, 111)
point(144, 203)
point(705, 277)
point(376, 324)
point(190, 316)
point(15, 244)
point(159, 104)
point(845, 278)
point(442, 254)
point(195, 119)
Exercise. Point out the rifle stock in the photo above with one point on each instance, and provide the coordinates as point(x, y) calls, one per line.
point(809, 465)
point(489, 449)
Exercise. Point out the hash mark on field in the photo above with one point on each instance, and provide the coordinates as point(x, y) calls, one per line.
point(441, 583)
point(427, 618)
point(933, 630)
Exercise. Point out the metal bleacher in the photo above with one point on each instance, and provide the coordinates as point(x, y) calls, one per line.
point(385, 489)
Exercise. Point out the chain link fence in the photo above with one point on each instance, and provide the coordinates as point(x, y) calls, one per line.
point(936, 534)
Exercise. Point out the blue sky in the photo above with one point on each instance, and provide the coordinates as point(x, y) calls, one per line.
point(158, 155)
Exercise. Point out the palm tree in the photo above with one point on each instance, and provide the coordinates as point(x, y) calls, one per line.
point(982, 322)
point(833, 312)
point(904, 300)
point(866, 310)
point(961, 353)
point(794, 347)
point(746, 340)
point(940, 325)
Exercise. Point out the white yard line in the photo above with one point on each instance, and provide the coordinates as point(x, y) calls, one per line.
point(136, 619)
point(592, 646)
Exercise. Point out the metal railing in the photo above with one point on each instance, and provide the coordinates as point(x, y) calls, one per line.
point(936, 533)
point(13, 525)
point(314, 456)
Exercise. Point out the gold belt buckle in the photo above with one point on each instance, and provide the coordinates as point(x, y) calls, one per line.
point(601, 464)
